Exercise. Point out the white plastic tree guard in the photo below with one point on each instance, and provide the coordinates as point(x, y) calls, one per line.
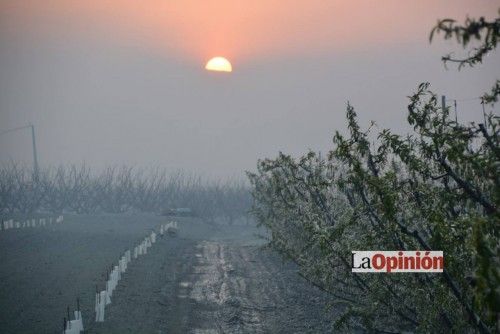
point(109, 291)
point(122, 264)
point(100, 303)
point(11, 224)
point(128, 257)
point(78, 322)
point(74, 326)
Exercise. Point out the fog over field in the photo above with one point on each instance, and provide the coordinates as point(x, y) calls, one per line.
point(113, 83)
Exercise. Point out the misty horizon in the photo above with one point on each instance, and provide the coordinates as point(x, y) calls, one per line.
point(116, 98)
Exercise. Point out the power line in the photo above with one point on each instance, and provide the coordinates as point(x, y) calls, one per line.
point(14, 129)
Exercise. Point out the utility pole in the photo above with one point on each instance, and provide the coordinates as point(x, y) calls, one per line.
point(456, 113)
point(35, 157)
point(484, 113)
point(443, 107)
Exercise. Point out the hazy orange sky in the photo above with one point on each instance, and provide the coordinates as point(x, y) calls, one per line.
point(123, 81)
point(239, 30)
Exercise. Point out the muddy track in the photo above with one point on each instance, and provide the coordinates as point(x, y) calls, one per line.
point(214, 286)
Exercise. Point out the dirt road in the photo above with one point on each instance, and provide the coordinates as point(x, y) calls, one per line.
point(222, 281)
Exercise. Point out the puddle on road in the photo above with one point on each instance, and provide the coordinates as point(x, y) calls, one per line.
point(184, 284)
point(216, 283)
point(209, 285)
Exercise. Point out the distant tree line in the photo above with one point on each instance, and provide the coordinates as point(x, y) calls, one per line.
point(80, 189)
point(435, 189)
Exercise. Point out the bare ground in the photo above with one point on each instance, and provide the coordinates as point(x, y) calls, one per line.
point(208, 279)
point(44, 269)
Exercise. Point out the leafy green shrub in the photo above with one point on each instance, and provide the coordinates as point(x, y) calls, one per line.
point(436, 189)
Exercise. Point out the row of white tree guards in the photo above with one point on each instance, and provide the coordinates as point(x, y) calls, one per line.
point(74, 326)
point(103, 298)
point(16, 224)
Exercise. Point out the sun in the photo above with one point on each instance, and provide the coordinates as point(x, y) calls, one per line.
point(219, 64)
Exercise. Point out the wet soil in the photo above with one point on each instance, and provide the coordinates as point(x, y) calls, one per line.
point(207, 279)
